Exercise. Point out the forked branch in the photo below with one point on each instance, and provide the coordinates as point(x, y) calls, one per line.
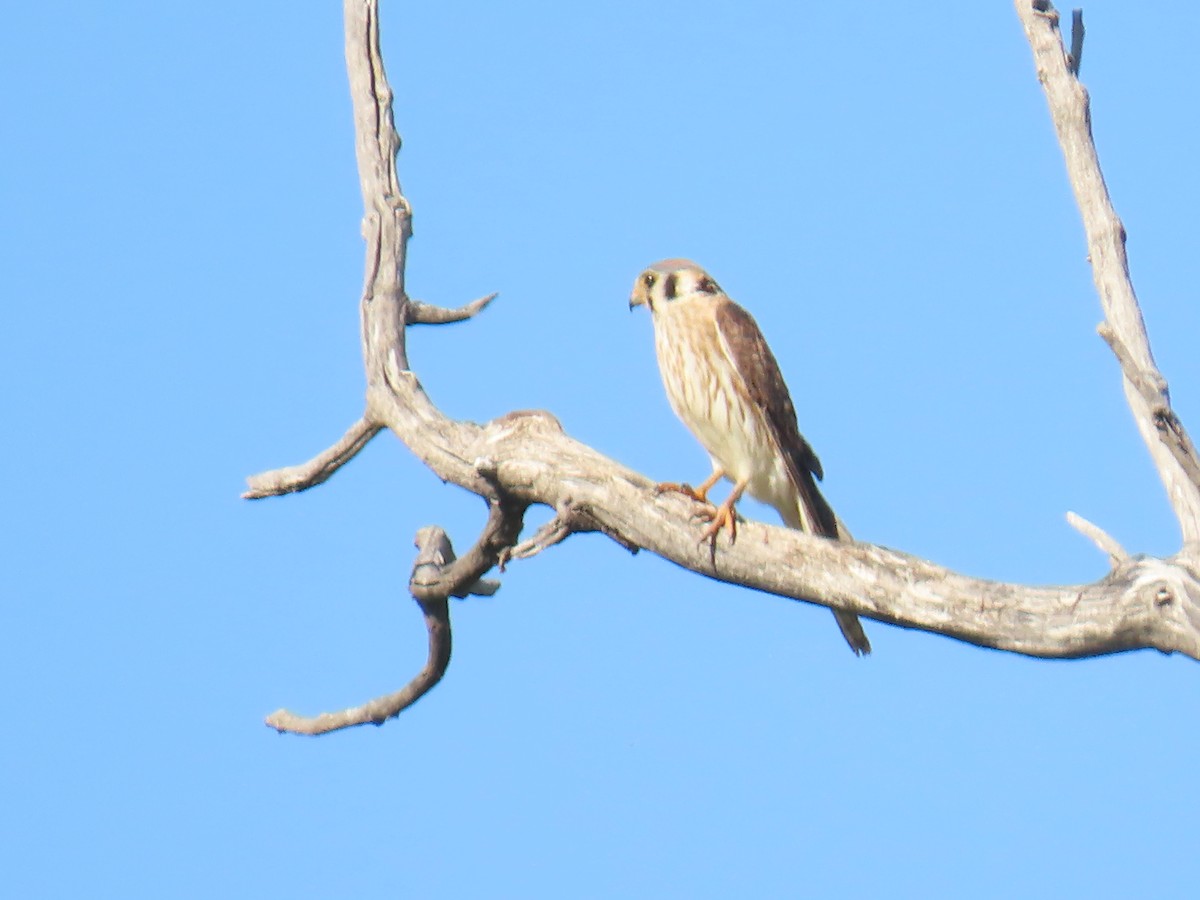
point(524, 458)
point(1123, 327)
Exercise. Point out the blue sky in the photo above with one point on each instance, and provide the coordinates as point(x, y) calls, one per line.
point(880, 186)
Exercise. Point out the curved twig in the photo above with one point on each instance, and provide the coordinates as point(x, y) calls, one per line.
point(427, 314)
point(379, 710)
point(317, 470)
point(434, 553)
point(445, 576)
point(437, 575)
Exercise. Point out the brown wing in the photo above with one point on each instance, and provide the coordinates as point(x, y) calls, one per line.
point(748, 349)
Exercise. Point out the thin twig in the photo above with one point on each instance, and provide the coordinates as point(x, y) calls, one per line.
point(1075, 59)
point(419, 313)
point(1098, 536)
point(553, 532)
point(379, 710)
point(317, 470)
point(570, 518)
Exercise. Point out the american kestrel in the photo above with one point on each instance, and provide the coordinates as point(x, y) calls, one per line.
point(723, 382)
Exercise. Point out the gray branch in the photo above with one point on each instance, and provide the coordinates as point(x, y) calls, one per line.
point(317, 470)
point(1101, 538)
point(437, 575)
point(427, 314)
point(434, 557)
point(1123, 328)
point(570, 518)
point(525, 458)
point(1153, 390)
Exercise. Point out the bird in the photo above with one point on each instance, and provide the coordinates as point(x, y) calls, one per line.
point(723, 382)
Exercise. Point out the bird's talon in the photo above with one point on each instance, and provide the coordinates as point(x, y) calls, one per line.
point(718, 517)
point(670, 487)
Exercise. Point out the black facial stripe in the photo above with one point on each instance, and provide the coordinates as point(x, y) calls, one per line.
point(670, 285)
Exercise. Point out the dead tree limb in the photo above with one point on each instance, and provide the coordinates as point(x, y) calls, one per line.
point(1123, 327)
point(524, 458)
point(436, 577)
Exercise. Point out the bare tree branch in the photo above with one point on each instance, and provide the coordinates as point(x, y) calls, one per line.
point(553, 532)
point(1101, 538)
point(446, 576)
point(434, 554)
point(316, 470)
point(1145, 387)
point(524, 457)
point(437, 575)
point(1153, 390)
point(570, 518)
point(427, 314)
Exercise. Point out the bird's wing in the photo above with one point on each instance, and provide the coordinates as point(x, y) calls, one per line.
point(750, 356)
point(747, 350)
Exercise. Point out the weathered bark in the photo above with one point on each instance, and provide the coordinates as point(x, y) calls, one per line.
point(524, 458)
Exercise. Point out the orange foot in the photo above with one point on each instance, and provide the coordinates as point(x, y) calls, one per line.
point(700, 494)
point(718, 518)
point(670, 487)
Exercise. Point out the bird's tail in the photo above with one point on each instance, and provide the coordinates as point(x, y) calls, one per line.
point(814, 514)
point(852, 631)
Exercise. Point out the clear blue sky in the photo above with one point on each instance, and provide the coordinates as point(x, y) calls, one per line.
point(878, 183)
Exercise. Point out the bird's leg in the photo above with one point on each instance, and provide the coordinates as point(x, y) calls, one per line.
point(724, 515)
point(699, 494)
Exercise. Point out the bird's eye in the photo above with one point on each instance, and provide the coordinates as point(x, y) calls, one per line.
point(648, 279)
point(706, 286)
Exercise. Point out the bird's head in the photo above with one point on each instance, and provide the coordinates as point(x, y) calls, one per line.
point(671, 281)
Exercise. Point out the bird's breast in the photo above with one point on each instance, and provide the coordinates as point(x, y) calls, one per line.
point(711, 398)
